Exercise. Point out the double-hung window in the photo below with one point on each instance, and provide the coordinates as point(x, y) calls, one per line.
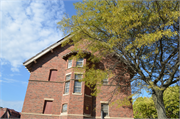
point(66, 90)
point(77, 84)
point(79, 62)
point(69, 63)
point(66, 87)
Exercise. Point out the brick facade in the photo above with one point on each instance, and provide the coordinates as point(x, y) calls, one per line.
point(79, 105)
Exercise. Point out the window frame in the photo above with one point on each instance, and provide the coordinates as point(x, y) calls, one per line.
point(69, 77)
point(80, 61)
point(77, 80)
point(76, 87)
point(107, 109)
point(66, 82)
point(105, 81)
point(78, 74)
point(65, 88)
point(69, 66)
point(62, 111)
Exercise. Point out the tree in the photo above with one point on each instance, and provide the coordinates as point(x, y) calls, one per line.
point(145, 108)
point(143, 35)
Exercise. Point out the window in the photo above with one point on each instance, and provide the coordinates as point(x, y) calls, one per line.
point(68, 77)
point(64, 108)
point(47, 107)
point(104, 110)
point(105, 81)
point(79, 62)
point(69, 63)
point(66, 87)
point(77, 87)
point(52, 75)
point(78, 76)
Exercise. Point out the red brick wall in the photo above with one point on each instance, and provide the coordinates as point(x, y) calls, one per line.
point(39, 88)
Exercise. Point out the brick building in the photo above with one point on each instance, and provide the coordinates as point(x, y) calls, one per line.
point(9, 113)
point(54, 90)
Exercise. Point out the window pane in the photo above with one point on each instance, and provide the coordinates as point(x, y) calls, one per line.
point(105, 81)
point(68, 77)
point(67, 87)
point(79, 62)
point(77, 87)
point(105, 108)
point(78, 76)
point(69, 63)
point(77, 83)
point(64, 109)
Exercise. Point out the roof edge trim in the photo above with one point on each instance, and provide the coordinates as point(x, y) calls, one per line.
point(47, 50)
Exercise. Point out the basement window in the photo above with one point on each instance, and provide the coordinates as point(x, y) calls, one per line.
point(64, 108)
point(104, 110)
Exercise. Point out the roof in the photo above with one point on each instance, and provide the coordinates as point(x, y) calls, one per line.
point(9, 113)
point(48, 49)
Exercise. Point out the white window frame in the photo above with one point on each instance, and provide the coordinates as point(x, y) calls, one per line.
point(106, 103)
point(65, 89)
point(77, 73)
point(80, 61)
point(77, 87)
point(70, 63)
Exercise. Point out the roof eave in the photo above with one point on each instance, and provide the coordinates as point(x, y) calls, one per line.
point(37, 56)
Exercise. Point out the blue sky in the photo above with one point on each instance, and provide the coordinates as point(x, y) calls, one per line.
point(26, 28)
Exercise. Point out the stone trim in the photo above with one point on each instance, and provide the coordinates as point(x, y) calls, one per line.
point(76, 93)
point(106, 102)
point(41, 114)
point(47, 81)
point(49, 99)
point(62, 114)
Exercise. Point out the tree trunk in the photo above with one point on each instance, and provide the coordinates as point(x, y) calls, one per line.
point(157, 97)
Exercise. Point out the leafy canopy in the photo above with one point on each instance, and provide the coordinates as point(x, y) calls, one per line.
point(142, 33)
